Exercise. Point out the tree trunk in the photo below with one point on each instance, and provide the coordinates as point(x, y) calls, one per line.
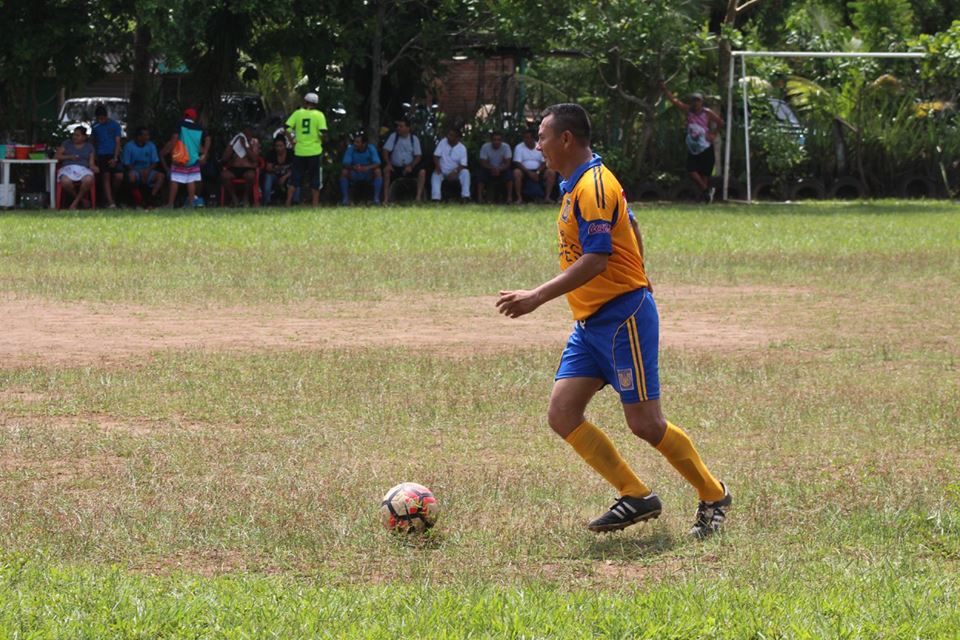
point(140, 91)
point(373, 120)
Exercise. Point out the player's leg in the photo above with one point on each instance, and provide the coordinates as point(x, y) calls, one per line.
point(578, 380)
point(377, 184)
point(421, 181)
point(464, 177)
point(436, 182)
point(637, 370)
point(316, 179)
point(296, 179)
point(518, 184)
point(86, 183)
point(345, 186)
point(387, 174)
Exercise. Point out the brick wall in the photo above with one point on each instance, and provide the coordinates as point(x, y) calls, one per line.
point(469, 84)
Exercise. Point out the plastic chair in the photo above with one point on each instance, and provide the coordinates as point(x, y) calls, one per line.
point(92, 194)
point(241, 181)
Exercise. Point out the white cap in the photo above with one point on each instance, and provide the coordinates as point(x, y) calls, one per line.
point(312, 98)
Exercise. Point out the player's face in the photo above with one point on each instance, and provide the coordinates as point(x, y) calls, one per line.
point(143, 138)
point(496, 141)
point(548, 143)
point(279, 146)
point(528, 139)
point(359, 143)
point(402, 129)
point(78, 137)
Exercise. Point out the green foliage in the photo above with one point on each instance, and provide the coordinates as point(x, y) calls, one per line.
point(882, 25)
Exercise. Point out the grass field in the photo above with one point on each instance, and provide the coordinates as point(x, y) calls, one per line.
point(227, 485)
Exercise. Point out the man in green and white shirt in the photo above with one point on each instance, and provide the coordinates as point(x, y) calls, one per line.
point(306, 128)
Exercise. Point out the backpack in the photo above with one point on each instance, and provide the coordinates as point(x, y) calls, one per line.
point(180, 154)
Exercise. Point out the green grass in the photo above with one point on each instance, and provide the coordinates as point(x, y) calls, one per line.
point(232, 494)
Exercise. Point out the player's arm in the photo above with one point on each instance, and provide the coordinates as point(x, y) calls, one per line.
point(636, 233)
point(683, 106)
point(514, 304)
point(714, 117)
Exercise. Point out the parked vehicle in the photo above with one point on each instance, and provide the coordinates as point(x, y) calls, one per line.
point(79, 111)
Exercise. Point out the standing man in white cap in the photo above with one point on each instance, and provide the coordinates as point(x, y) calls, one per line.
point(306, 129)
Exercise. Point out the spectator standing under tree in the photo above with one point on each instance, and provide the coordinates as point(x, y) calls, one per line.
point(450, 164)
point(531, 171)
point(495, 157)
point(306, 130)
point(186, 170)
point(699, 139)
point(240, 160)
point(78, 164)
point(361, 163)
point(140, 161)
point(401, 154)
point(278, 171)
point(106, 134)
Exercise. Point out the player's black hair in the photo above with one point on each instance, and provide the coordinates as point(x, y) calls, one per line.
point(100, 111)
point(570, 117)
point(81, 129)
point(496, 132)
point(139, 130)
point(360, 134)
point(280, 138)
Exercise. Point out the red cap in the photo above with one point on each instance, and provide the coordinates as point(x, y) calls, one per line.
point(190, 113)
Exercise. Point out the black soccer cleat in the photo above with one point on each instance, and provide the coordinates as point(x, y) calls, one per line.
point(626, 511)
point(710, 515)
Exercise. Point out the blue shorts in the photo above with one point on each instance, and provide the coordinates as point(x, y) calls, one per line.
point(618, 344)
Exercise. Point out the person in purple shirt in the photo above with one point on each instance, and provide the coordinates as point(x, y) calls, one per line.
point(703, 127)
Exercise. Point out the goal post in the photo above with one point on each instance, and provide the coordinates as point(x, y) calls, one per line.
point(743, 55)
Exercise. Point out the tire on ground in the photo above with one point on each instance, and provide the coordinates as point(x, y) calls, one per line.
point(916, 186)
point(808, 189)
point(764, 188)
point(848, 188)
point(684, 192)
point(647, 192)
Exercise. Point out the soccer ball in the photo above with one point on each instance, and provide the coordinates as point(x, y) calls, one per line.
point(409, 508)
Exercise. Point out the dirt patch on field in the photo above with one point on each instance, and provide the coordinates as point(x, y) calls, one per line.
point(57, 333)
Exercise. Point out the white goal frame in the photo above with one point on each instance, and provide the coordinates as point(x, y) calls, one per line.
point(743, 55)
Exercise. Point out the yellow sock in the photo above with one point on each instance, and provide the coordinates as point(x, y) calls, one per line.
point(679, 451)
point(598, 451)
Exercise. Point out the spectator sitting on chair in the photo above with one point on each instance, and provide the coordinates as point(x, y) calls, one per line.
point(700, 137)
point(78, 164)
point(361, 163)
point(495, 166)
point(140, 162)
point(278, 171)
point(401, 153)
point(240, 160)
point(531, 171)
point(450, 164)
point(106, 134)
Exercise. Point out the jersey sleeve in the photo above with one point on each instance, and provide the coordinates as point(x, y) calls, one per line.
point(292, 121)
point(390, 143)
point(321, 122)
point(417, 151)
point(127, 157)
point(348, 157)
point(597, 209)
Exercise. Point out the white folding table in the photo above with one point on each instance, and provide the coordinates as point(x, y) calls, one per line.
point(51, 175)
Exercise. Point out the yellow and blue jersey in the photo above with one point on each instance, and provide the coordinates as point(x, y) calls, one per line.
point(595, 218)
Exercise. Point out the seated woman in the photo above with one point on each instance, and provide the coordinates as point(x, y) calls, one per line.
point(78, 164)
point(240, 160)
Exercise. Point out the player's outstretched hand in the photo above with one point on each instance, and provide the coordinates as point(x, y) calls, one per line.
point(514, 304)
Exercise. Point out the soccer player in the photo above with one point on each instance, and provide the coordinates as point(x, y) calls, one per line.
point(616, 337)
point(306, 128)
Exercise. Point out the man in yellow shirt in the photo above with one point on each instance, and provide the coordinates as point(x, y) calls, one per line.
point(306, 128)
point(616, 337)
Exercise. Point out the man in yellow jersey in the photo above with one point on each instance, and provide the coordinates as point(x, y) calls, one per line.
point(616, 337)
point(306, 128)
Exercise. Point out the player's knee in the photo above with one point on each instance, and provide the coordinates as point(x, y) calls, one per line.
point(649, 428)
point(562, 418)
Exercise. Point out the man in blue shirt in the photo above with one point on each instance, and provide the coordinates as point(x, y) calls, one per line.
point(140, 160)
point(106, 140)
point(361, 163)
